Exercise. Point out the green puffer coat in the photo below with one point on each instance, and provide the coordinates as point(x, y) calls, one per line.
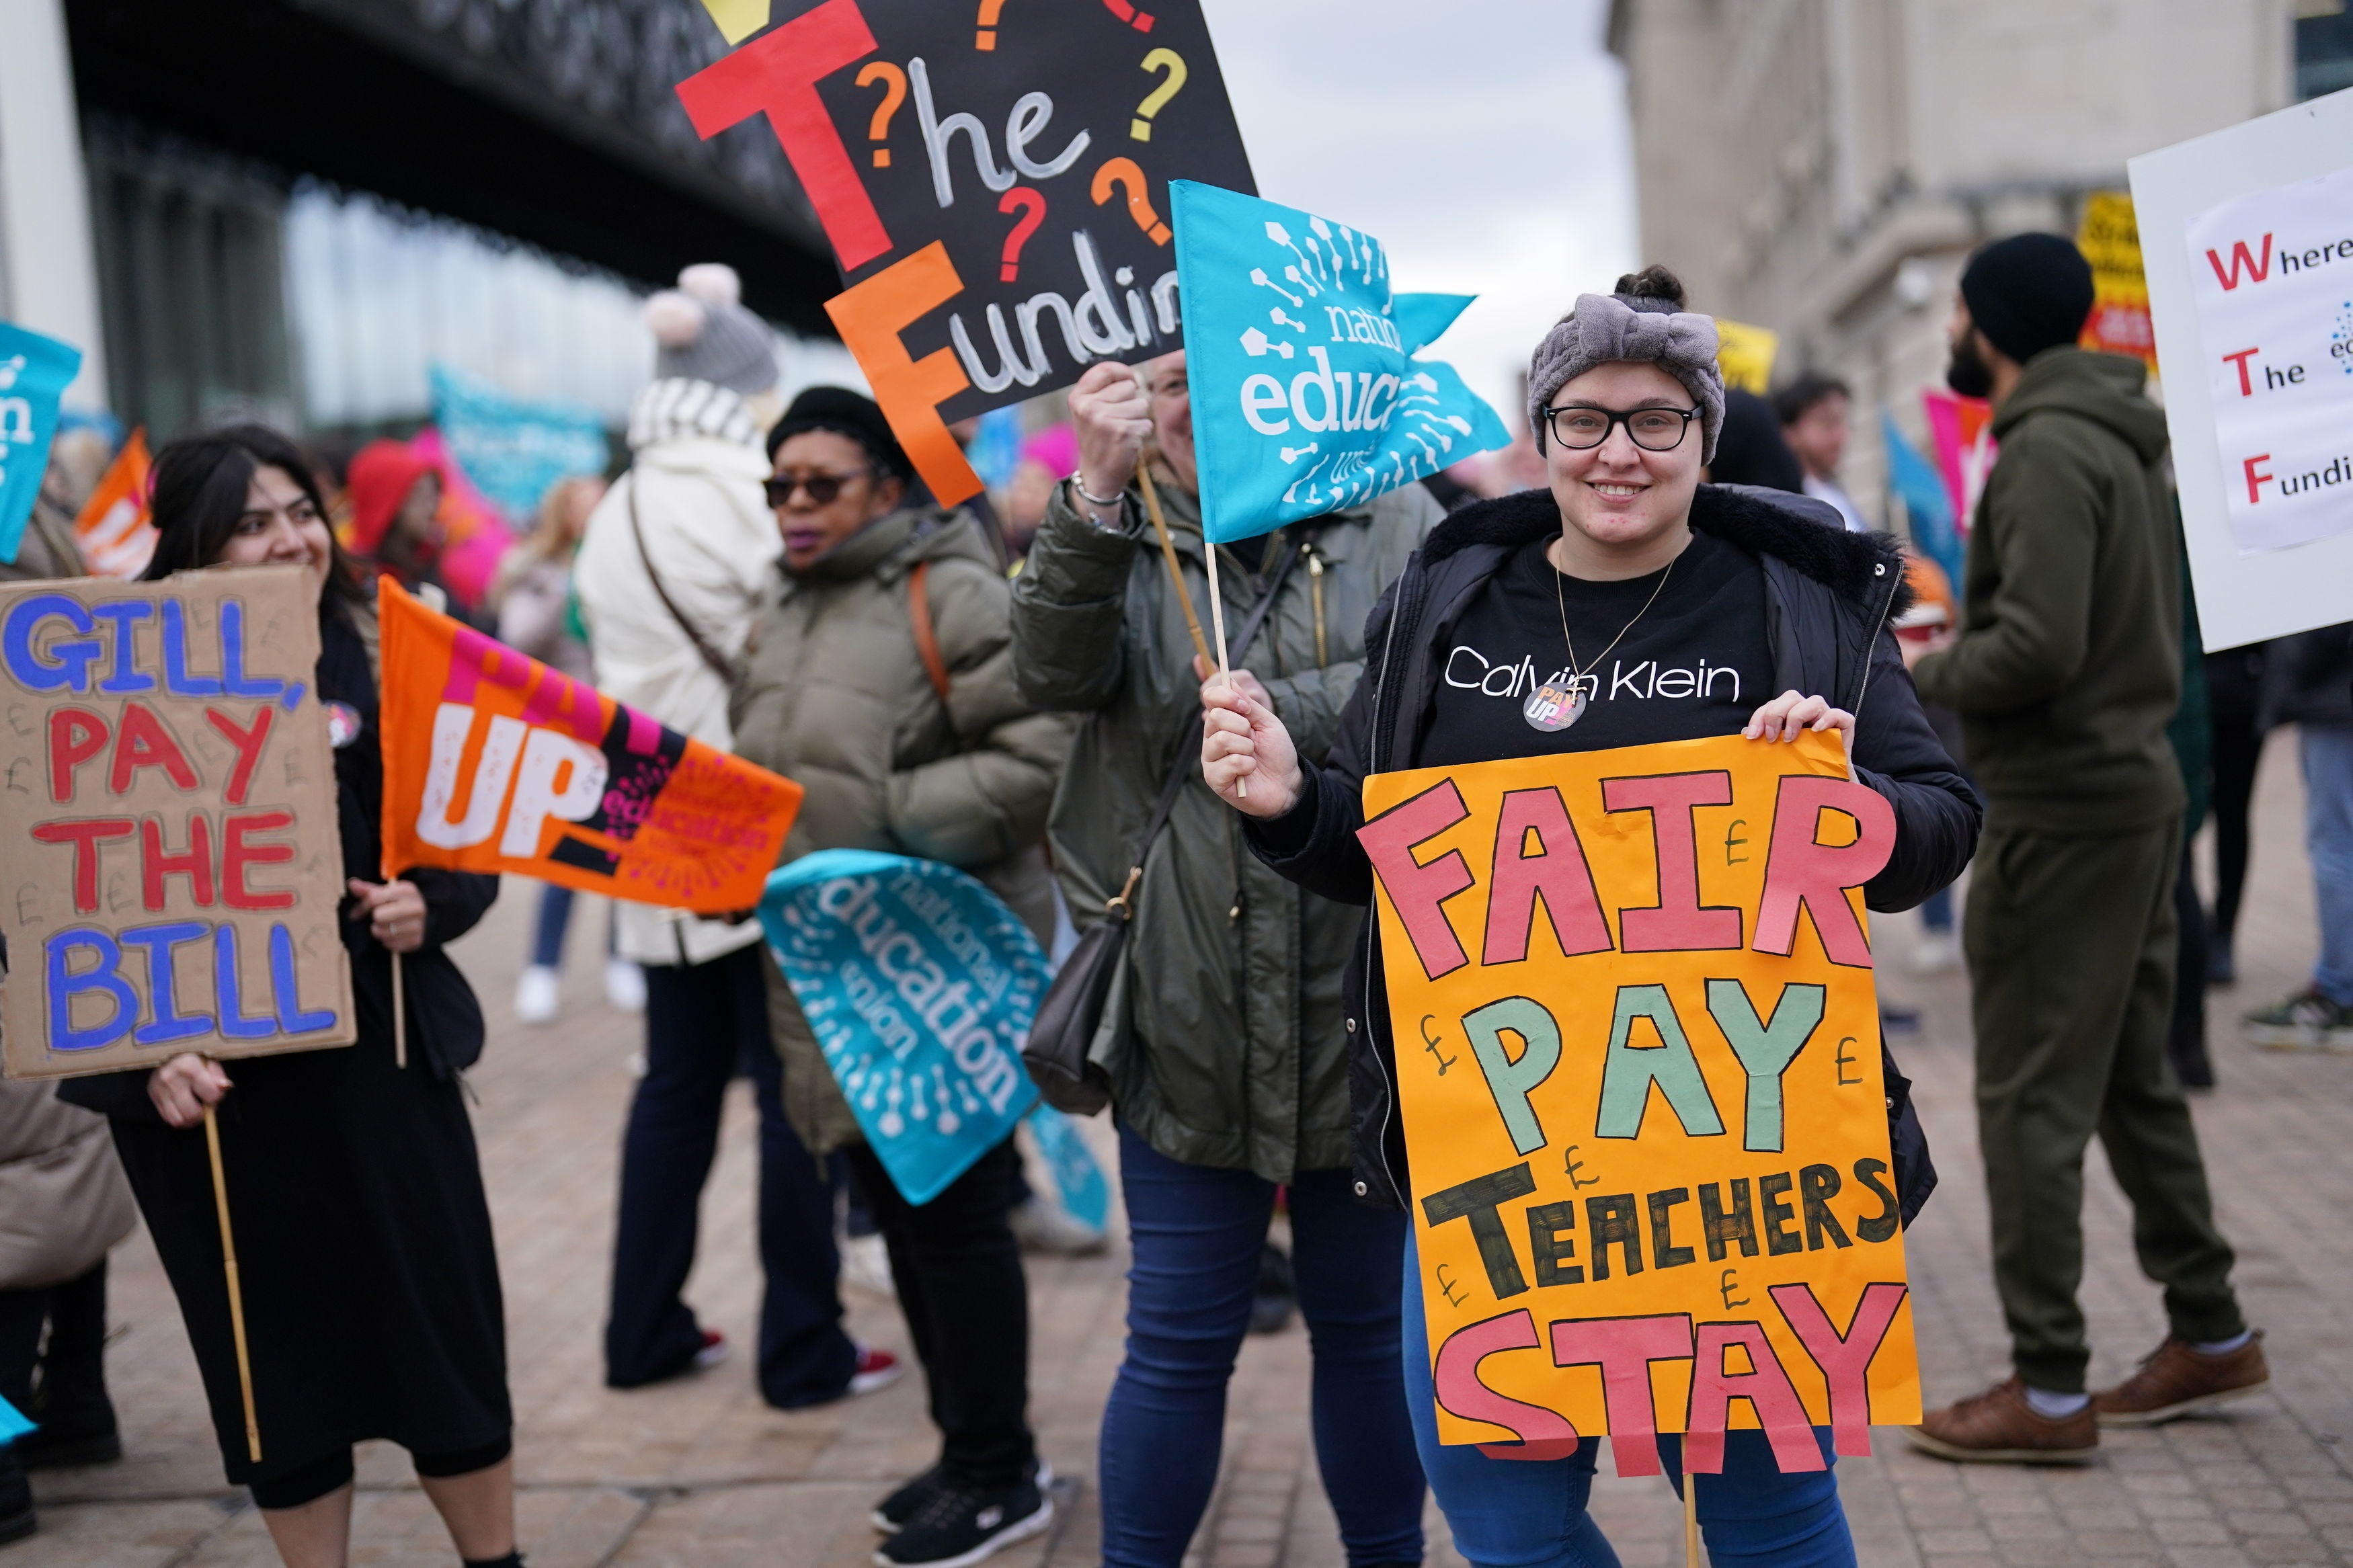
point(836, 697)
point(1223, 1036)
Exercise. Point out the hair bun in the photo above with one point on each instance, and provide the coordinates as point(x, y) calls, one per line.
point(1651, 283)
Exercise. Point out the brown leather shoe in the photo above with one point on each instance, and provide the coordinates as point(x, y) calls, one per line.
point(1999, 1426)
point(2174, 1380)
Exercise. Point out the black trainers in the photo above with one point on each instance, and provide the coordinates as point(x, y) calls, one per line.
point(46, 1447)
point(891, 1514)
point(958, 1526)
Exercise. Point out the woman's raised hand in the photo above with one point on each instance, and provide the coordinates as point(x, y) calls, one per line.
point(1112, 415)
point(1241, 739)
point(183, 1087)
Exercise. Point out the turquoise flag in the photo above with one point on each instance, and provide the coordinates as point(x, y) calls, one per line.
point(1927, 504)
point(35, 372)
point(920, 985)
point(1306, 396)
point(513, 449)
point(13, 1424)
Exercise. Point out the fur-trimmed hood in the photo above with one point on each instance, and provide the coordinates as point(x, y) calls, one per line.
point(1806, 533)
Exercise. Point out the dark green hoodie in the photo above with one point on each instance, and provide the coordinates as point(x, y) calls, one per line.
point(2069, 662)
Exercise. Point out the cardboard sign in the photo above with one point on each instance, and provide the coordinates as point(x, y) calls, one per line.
point(2109, 238)
point(2247, 241)
point(35, 372)
point(497, 763)
point(1639, 1068)
point(993, 182)
point(1306, 396)
point(167, 793)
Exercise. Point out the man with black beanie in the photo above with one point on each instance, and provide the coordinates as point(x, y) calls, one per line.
point(2065, 672)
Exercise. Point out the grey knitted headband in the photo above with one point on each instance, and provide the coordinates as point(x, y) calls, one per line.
point(1608, 328)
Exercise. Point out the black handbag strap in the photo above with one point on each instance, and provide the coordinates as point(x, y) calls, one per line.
point(1189, 758)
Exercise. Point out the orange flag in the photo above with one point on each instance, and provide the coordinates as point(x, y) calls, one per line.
point(493, 761)
point(114, 532)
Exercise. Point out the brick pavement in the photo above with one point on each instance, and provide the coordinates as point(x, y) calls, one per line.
point(701, 1473)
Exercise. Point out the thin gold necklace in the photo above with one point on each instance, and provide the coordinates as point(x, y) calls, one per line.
point(1556, 705)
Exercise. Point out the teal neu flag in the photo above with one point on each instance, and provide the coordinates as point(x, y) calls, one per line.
point(920, 985)
point(35, 372)
point(1306, 396)
point(1927, 504)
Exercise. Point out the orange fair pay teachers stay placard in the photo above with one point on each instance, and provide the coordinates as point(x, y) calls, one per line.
point(493, 761)
point(1639, 1066)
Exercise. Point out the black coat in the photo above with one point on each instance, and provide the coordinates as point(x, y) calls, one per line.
point(1828, 598)
point(370, 1278)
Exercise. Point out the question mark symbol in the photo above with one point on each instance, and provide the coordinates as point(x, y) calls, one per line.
point(1122, 173)
point(1139, 20)
point(1169, 60)
point(895, 93)
point(1033, 212)
point(986, 39)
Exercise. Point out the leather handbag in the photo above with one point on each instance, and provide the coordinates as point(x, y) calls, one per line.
point(1062, 1034)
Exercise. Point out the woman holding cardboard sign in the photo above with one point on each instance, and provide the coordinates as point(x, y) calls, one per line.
point(370, 1285)
point(1626, 605)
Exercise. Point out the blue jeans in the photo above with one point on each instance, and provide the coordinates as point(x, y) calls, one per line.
point(1530, 1513)
point(2327, 754)
point(1198, 1233)
point(1936, 911)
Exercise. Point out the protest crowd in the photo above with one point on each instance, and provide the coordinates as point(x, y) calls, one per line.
point(1133, 784)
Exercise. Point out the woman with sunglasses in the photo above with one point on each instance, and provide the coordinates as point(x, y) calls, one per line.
point(371, 1286)
point(1626, 604)
point(880, 678)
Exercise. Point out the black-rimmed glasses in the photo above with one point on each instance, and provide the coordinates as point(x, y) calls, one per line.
point(1581, 426)
point(823, 488)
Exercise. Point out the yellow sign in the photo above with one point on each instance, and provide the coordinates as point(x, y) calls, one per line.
point(2110, 241)
point(1744, 354)
point(1639, 1074)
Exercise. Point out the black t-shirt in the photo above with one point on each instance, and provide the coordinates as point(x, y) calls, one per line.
point(1695, 664)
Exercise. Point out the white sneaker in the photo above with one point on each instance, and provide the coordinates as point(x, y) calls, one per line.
point(625, 986)
point(1936, 952)
point(865, 1263)
point(536, 995)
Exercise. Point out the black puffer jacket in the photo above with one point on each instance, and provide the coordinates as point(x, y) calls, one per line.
point(1828, 598)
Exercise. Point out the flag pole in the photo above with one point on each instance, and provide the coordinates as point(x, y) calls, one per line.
point(1691, 1556)
point(1168, 556)
point(399, 1015)
point(1217, 625)
point(235, 1290)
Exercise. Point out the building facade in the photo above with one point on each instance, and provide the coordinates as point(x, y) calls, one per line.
point(1824, 167)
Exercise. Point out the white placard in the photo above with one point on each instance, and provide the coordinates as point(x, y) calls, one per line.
point(2247, 238)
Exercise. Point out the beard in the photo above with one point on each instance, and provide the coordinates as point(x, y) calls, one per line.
point(1967, 371)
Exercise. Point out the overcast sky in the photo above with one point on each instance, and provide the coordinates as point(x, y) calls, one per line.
point(1483, 142)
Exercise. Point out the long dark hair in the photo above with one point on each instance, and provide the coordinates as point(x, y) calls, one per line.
point(200, 488)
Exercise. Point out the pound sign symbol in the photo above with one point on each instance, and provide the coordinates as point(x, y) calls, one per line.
point(1727, 1286)
point(1447, 1287)
point(1732, 843)
point(1843, 1061)
point(1429, 1044)
point(1575, 1165)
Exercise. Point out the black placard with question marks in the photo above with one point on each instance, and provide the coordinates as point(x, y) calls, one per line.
point(1035, 139)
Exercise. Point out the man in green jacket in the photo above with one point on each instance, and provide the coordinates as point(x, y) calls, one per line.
point(2065, 673)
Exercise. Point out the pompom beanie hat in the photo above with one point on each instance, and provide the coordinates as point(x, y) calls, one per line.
point(1643, 323)
point(706, 334)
